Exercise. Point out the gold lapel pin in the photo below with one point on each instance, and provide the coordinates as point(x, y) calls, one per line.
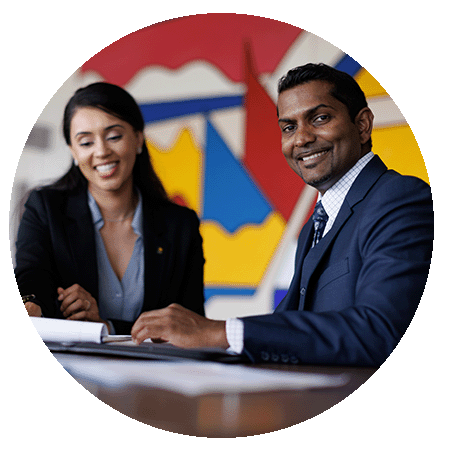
point(159, 251)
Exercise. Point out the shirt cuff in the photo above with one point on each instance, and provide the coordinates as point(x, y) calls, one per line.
point(234, 329)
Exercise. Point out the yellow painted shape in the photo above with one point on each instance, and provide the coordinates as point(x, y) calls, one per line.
point(180, 168)
point(241, 258)
point(369, 84)
point(399, 150)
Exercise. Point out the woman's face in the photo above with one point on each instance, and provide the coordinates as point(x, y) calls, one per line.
point(105, 148)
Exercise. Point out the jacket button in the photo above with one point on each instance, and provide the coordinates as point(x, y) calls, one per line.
point(302, 291)
point(265, 356)
point(284, 359)
point(275, 357)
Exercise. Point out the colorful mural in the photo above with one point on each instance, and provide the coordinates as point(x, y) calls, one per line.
point(206, 85)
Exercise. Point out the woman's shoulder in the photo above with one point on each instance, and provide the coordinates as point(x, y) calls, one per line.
point(173, 213)
point(50, 196)
point(175, 210)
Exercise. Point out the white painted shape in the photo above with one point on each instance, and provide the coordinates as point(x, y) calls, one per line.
point(193, 80)
point(307, 48)
point(386, 112)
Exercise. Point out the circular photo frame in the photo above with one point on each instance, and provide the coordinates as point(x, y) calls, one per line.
point(209, 105)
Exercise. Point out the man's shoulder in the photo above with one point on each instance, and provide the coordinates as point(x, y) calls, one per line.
point(394, 181)
point(376, 178)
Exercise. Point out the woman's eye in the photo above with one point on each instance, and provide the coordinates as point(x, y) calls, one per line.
point(116, 137)
point(85, 144)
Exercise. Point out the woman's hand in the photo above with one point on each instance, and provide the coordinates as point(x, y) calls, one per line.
point(78, 304)
point(33, 310)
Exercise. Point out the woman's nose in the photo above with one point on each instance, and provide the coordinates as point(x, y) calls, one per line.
point(102, 149)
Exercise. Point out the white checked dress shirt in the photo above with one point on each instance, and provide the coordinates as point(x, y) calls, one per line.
point(331, 201)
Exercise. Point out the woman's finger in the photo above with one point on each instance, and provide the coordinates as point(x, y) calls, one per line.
point(33, 309)
point(68, 300)
point(76, 306)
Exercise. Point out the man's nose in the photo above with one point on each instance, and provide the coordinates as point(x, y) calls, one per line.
point(304, 135)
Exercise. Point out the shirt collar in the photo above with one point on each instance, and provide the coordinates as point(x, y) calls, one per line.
point(333, 198)
point(97, 218)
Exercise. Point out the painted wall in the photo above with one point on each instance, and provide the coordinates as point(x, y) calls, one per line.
point(206, 85)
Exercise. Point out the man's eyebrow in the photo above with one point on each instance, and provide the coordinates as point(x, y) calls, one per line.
point(308, 113)
point(314, 110)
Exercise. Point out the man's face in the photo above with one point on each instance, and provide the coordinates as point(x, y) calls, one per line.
point(319, 141)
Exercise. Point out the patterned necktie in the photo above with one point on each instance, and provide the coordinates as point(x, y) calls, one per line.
point(319, 218)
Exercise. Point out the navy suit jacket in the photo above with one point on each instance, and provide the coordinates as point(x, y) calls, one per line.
point(56, 247)
point(354, 294)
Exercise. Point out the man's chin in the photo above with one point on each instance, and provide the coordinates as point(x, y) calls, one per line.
point(320, 183)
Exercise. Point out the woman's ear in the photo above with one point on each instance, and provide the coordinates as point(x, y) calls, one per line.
point(364, 122)
point(140, 137)
point(73, 155)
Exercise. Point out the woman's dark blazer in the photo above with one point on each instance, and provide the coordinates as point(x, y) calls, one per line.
point(56, 248)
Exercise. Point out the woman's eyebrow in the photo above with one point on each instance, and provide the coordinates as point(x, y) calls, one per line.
point(106, 129)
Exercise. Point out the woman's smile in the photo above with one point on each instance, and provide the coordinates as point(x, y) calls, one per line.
point(105, 148)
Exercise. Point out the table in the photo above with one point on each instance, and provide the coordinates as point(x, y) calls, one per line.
point(229, 415)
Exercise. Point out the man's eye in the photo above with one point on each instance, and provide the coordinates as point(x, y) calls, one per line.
point(288, 128)
point(321, 118)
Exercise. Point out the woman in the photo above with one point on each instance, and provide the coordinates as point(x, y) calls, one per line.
point(104, 243)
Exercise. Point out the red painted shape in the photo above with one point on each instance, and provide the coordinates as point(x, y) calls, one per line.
point(263, 157)
point(179, 199)
point(215, 38)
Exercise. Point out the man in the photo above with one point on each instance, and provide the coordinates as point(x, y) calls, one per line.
point(358, 281)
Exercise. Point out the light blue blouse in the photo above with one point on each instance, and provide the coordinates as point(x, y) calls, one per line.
point(119, 299)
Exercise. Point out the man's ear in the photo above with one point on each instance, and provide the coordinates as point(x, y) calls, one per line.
point(364, 122)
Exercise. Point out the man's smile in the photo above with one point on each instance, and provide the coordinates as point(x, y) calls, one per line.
point(313, 156)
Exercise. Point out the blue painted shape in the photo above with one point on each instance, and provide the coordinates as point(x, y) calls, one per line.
point(230, 198)
point(228, 291)
point(279, 294)
point(153, 112)
point(348, 65)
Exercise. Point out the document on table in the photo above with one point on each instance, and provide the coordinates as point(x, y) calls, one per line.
point(67, 331)
point(191, 378)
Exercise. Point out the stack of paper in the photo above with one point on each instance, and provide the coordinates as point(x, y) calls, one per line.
point(68, 331)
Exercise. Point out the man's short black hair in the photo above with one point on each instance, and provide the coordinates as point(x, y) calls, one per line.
point(344, 87)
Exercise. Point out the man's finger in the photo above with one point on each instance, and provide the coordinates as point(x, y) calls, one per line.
point(148, 328)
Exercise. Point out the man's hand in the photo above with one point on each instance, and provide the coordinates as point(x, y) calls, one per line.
point(180, 327)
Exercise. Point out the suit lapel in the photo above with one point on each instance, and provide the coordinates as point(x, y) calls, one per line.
point(361, 186)
point(157, 251)
point(81, 238)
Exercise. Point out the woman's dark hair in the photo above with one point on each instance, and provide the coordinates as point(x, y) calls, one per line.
point(115, 101)
point(344, 87)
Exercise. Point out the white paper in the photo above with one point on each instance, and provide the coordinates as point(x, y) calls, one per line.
point(191, 377)
point(58, 330)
